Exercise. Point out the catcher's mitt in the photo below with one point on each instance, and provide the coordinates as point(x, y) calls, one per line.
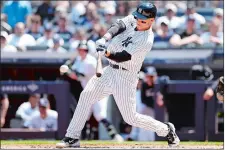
point(220, 88)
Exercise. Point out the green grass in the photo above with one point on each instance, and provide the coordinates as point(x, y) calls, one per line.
point(39, 142)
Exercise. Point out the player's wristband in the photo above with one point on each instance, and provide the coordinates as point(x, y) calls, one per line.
point(107, 36)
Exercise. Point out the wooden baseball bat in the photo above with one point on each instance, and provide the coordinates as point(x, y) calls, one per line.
point(99, 65)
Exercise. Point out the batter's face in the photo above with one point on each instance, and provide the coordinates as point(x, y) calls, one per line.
point(144, 24)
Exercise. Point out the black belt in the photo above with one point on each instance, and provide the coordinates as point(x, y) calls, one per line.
point(116, 66)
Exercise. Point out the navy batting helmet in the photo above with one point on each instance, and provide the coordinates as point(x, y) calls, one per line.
point(145, 11)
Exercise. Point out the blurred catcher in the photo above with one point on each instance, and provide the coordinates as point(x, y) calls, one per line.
point(78, 72)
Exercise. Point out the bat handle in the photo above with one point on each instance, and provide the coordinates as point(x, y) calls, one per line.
point(99, 53)
point(99, 66)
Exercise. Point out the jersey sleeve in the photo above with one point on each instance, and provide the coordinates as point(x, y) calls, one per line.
point(128, 20)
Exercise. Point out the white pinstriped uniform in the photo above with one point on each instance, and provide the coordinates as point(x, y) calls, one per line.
point(121, 83)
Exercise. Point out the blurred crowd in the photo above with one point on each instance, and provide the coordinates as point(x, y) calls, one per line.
point(60, 25)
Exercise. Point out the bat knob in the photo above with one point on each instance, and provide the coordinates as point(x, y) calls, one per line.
point(98, 74)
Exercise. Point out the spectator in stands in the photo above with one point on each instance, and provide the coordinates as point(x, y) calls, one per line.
point(94, 35)
point(57, 47)
point(20, 39)
point(199, 19)
point(97, 32)
point(5, 47)
point(34, 26)
point(103, 30)
point(4, 25)
point(46, 10)
point(46, 119)
point(91, 15)
point(218, 14)
point(122, 8)
point(62, 28)
point(170, 17)
point(59, 11)
point(16, 11)
point(213, 36)
point(78, 12)
point(29, 108)
point(189, 36)
point(164, 33)
point(4, 107)
point(63, 4)
point(109, 12)
point(78, 36)
point(47, 38)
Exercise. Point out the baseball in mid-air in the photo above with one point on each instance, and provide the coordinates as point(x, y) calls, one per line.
point(64, 69)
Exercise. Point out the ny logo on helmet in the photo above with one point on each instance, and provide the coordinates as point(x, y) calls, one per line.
point(127, 42)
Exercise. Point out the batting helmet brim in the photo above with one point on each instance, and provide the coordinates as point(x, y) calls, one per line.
point(139, 16)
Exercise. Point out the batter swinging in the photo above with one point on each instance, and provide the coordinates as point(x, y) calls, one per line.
point(130, 39)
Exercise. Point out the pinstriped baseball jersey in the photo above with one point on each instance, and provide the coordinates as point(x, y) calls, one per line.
point(137, 43)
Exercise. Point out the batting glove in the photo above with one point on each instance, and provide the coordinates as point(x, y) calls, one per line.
point(101, 49)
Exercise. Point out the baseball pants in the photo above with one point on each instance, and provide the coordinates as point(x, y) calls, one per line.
point(122, 84)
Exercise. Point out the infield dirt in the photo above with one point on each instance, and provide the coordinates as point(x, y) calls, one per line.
point(114, 146)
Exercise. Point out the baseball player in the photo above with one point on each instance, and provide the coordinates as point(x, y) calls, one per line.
point(82, 69)
point(27, 109)
point(45, 119)
point(130, 39)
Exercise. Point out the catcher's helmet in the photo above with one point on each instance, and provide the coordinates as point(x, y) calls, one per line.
point(199, 72)
point(145, 11)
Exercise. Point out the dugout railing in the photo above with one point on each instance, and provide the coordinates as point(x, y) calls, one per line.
point(61, 92)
